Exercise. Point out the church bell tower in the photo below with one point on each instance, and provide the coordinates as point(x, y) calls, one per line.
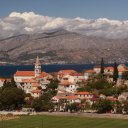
point(37, 67)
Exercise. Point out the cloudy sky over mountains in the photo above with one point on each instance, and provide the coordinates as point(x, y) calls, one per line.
point(89, 17)
point(29, 22)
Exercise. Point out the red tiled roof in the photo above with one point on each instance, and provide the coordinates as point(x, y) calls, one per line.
point(35, 85)
point(36, 91)
point(81, 79)
point(65, 83)
point(109, 68)
point(71, 97)
point(29, 73)
point(122, 68)
point(29, 80)
point(43, 74)
point(66, 71)
point(57, 97)
point(24, 73)
point(111, 99)
point(77, 74)
point(82, 93)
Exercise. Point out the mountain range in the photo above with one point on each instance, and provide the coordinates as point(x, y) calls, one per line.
point(62, 47)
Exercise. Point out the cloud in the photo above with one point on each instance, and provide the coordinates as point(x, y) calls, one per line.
point(29, 22)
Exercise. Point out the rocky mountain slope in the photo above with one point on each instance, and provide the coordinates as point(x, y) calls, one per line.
point(62, 47)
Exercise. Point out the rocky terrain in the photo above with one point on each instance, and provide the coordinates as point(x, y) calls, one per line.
point(62, 47)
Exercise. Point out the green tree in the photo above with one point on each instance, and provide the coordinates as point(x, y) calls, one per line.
point(13, 83)
point(102, 106)
point(125, 75)
point(125, 106)
point(9, 84)
point(102, 66)
point(73, 107)
point(37, 104)
point(46, 101)
point(115, 74)
point(12, 98)
point(52, 86)
point(118, 107)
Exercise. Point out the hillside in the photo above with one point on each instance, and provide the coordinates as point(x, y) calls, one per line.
point(62, 47)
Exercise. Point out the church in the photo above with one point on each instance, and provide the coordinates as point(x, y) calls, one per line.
point(21, 75)
point(33, 82)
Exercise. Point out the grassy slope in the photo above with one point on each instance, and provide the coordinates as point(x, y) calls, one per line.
point(63, 122)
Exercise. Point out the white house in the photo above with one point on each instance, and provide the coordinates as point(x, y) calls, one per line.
point(97, 69)
point(88, 74)
point(84, 95)
point(26, 84)
point(36, 93)
point(109, 70)
point(78, 77)
point(73, 99)
point(67, 86)
point(122, 68)
point(62, 73)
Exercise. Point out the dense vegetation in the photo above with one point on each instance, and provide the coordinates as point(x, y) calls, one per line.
point(11, 97)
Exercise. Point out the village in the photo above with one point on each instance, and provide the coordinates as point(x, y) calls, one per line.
point(103, 89)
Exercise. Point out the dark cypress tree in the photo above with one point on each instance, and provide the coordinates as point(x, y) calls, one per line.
point(115, 74)
point(102, 66)
point(13, 83)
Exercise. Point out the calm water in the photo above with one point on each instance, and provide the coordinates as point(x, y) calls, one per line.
point(7, 71)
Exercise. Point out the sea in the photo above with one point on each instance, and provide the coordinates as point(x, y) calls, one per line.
point(9, 70)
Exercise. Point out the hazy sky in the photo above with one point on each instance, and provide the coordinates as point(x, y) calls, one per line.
point(90, 9)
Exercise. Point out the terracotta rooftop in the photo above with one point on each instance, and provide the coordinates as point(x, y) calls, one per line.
point(65, 83)
point(24, 73)
point(122, 68)
point(71, 97)
point(66, 71)
point(111, 99)
point(35, 85)
point(29, 80)
point(77, 74)
point(82, 93)
point(36, 91)
point(109, 68)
